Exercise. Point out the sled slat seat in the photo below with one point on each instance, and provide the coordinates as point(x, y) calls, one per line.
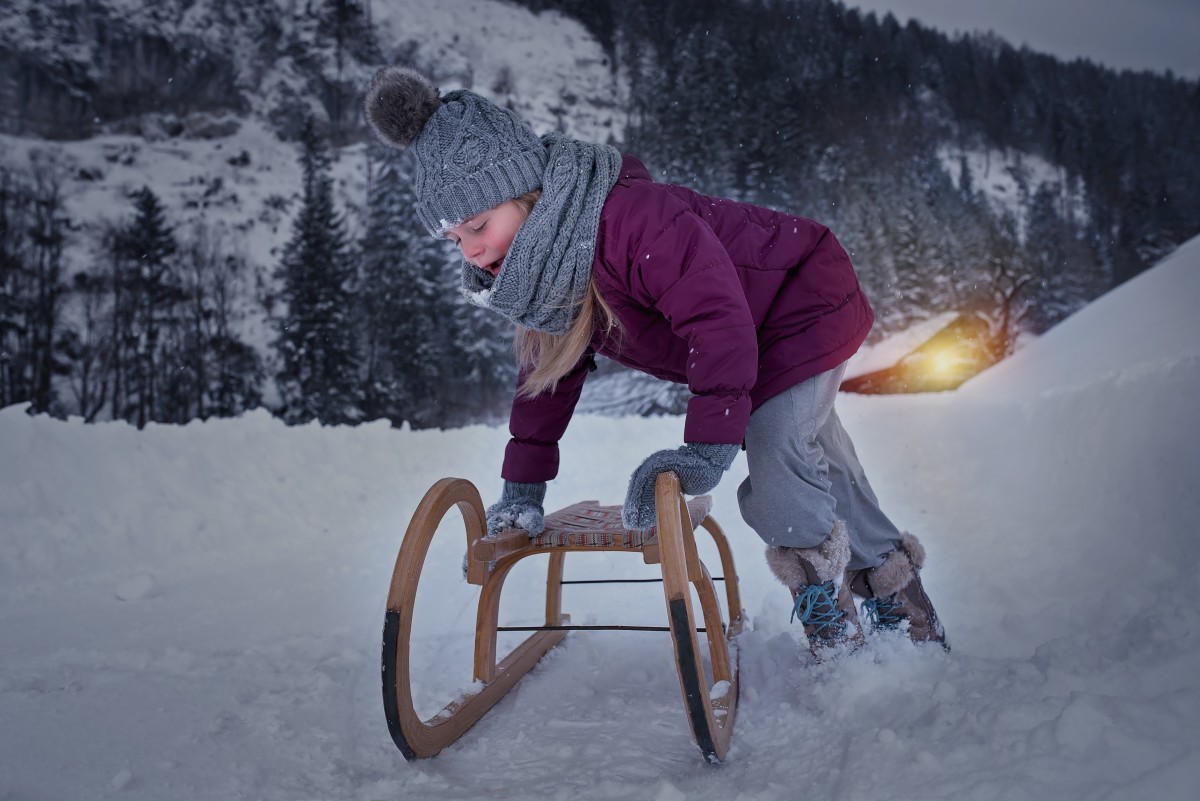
point(584, 525)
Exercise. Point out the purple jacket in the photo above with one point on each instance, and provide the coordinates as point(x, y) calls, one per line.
point(737, 301)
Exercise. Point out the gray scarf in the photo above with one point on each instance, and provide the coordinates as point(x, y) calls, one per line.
point(549, 264)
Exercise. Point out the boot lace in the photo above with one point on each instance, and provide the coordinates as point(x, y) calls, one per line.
point(884, 613)
point(816, 607)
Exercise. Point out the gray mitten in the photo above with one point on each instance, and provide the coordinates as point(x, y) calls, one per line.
point(699, 466)
point(520, 506)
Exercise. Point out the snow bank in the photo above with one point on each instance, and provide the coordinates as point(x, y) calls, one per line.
point(1148, 323)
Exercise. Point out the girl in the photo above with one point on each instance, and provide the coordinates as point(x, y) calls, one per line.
point(757, 311)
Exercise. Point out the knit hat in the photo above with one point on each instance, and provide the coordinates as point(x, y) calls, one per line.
point(471, 154)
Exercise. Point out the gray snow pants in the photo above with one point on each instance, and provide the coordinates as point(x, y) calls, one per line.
point(804, 474)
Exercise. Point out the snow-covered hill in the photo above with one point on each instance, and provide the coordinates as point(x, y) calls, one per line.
point(1103, 340)
point(230, 164)
point(194, 612)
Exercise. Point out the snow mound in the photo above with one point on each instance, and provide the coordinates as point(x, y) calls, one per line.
point(1148, 323)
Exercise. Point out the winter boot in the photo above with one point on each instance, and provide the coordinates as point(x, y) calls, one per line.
point(821, 598)
point(894, 594)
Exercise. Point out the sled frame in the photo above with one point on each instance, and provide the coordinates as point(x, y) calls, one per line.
point(672, 546)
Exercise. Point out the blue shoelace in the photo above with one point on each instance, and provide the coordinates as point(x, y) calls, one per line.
point(884, 613)
point(817, 606)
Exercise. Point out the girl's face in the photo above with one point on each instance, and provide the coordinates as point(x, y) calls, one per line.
point(485, 238)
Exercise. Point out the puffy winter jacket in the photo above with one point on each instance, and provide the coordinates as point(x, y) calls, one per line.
point(737, 301)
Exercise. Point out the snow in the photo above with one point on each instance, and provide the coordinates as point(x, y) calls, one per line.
point(549, 69)
point(1009, 178)
point(481, 298)
point(195, 611)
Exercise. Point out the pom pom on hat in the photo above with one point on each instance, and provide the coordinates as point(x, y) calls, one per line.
point(470, 155)
point(399, 103)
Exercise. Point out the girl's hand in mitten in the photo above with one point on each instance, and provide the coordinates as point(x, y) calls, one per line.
point(520, 506)
point(699, 466)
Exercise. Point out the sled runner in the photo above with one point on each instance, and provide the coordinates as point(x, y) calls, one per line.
point(582, 527)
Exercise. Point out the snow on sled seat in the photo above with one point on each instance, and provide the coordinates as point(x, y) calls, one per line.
point(582, 527)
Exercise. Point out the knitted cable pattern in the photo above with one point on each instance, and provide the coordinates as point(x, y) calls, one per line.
point(549, 264)
point(473, 155)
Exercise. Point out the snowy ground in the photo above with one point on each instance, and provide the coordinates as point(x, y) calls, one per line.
point(194, 612)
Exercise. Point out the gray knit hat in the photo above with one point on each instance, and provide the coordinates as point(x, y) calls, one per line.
point(471, 154)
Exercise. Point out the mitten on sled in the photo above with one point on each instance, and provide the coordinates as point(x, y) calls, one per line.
point(520, 506)
point(699, 466)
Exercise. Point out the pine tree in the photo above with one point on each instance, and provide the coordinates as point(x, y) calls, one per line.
point(914, 255)
point(223, 375)
point(484, 364)
point(149, 290)
point(33, 291)
point(430, 357)
point(47, 234)
point(1055, 253)
point(405, 360)
point(317, 338)
point(13, 279)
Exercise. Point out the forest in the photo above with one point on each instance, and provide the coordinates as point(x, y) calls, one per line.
point(857, 121)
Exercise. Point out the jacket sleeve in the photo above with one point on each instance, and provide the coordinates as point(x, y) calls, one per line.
point(681, 269)
point(538, 423)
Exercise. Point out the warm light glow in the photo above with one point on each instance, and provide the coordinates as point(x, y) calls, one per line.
point(944, 362)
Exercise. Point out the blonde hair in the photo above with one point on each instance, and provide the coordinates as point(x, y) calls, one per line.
point(551, 356)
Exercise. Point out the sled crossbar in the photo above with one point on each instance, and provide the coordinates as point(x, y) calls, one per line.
point(708, 677)
point(625, 581)
point(589, 628)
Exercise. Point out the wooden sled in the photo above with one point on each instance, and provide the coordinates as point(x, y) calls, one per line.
point(585, 526)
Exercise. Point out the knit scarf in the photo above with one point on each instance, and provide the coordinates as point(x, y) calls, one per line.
point(548, 267)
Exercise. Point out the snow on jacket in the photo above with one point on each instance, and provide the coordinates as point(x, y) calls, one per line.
point(737, 301)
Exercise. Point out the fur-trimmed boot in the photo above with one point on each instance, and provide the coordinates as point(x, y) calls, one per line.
point(894, 593)
point(821, 597)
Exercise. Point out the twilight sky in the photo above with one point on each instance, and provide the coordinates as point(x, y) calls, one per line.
point(1135, 34)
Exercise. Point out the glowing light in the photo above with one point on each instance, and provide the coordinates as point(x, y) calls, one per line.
point(944, 365)
point(945, 362)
